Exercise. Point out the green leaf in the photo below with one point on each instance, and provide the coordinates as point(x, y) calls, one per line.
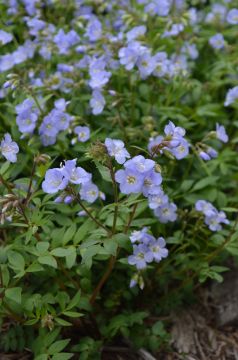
point(208, 181)
point(104, 171)
point(14, 294)
point(58, 346)
point(62, 356)
point(69, 234)
point(72, 314)
point(48, 260)
point(74, 301)
point(16, 260)
point(62, 322)
point(42, 357)
point(71, 257)
point(81, 233)
point(4, 167)
point(60, 252)
point(42, 247)
point(34, 268)
point(110, 246)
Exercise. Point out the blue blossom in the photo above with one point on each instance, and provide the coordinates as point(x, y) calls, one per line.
point(65, 41)
point(89, 192)
point(130, 180)
point(6, 62)
point(205, 207)
point(74, 174)
point(190, 50)
point(57, 120)
point(146, 65)
point(166, 212)
point(158, 249)
point(138, 235)
point(55, 180)
point(214, 222)
point(204, 156)
point(217, 41)
point(5, 37)
point(27, 116)
point(158, 7)
point(9, 148)
point(116, 148)
point(135, 32)
point(141, 256)
point(35, 25)
point(231, 96)
point(129, 55)
point(174, 30)
point(94, 29)
point(213, 217)
point(232, 17)
point(97, 102)
point(207, 153)
point(140, 163)
point(99, 77)
point(180, 151)
point(83, 133)
point(162, 64)
point(218, 13)
point(221, 133)
point(157, 200)
point(147, 249)
point(151, 183)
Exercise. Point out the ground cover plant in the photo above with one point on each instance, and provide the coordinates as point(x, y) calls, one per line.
point(118, 168)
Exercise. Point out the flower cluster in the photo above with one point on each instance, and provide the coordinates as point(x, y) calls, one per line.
point(141, 175)
point(206, 152)
point(213, 217)
point(59, 178)
point(146, 249)
point(173, 142)
point(27, 116)
point(53, 123)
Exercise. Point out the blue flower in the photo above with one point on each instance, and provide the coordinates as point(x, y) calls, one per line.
point(158, 249)
point(76, 175)
point(231, 96)
point(217, 41)
point(213, 217)
point(89, 192)
point(140, 164)
point(27, 116)
point(5, 37)
point(221, 133)
point(135, 32)
point(174, 31)
point(97, 102)
point(138, 235)
point(141, 256)
point(116, 148)
point(158, 7)
point(151, 183)
point(55, 180)
point(166, 212)
point(83, 133)
point(94, 29)
point(232, 17)
point(9, 148)
point(157, 200)
point(130, 180)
